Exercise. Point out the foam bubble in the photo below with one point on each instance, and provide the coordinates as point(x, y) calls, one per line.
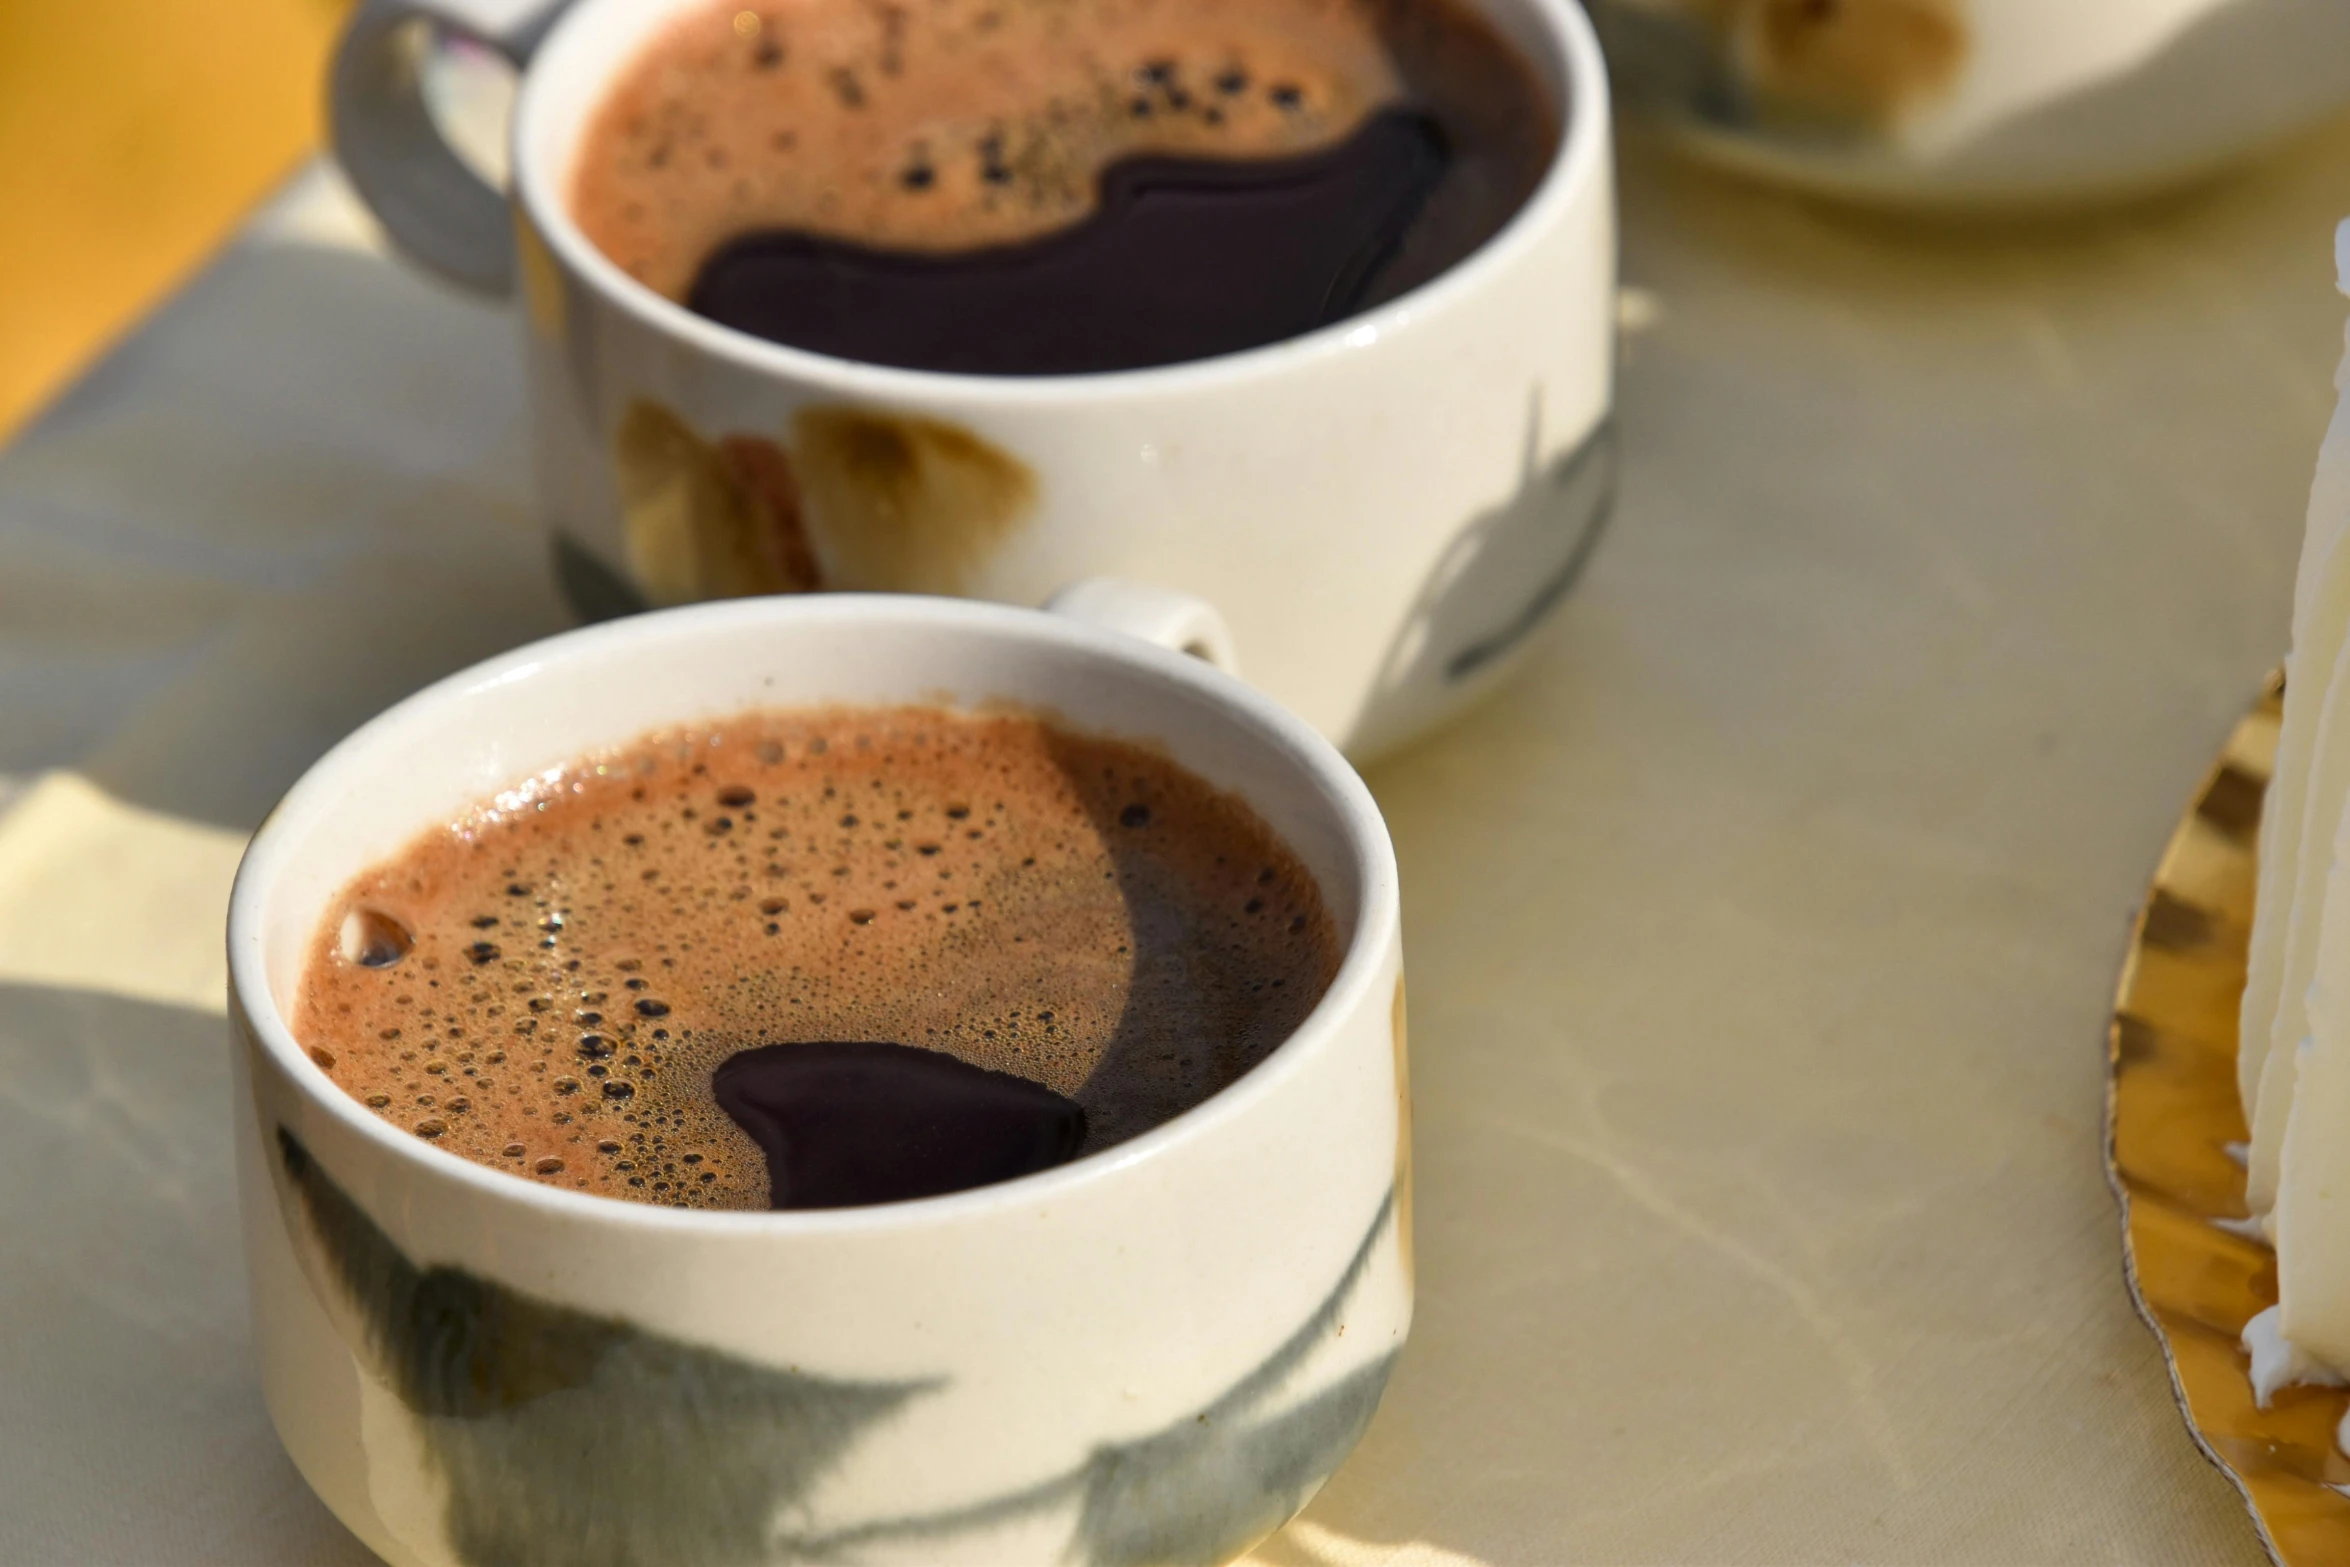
point(373, 938)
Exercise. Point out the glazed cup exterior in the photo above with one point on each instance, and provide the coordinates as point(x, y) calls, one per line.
point(1155, 1353)
point(1383, 510)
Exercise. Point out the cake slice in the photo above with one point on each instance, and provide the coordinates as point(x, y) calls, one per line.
point(2304, 805)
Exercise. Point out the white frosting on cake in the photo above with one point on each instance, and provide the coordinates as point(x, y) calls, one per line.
point(2293, 1067)
point(2276, 1363)
point(2303, 805)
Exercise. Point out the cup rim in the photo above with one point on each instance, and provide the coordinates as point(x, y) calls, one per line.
point(254, 1004)
point(1577, 165)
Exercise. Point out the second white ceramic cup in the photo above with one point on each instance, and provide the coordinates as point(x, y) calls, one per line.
point(1381, 511)
point(1152, 1354)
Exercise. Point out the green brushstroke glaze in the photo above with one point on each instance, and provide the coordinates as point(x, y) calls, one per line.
point(1203, 1489)
point(1203, 1492)
point(569, 1438)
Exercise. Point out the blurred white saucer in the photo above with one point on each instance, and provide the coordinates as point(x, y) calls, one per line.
point(1979, 102)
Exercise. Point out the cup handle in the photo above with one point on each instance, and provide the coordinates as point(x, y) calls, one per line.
point(437, 210)
point(1173, 620)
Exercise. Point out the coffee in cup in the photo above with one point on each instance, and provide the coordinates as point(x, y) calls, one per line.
point(1035, 187)
point(818, 958)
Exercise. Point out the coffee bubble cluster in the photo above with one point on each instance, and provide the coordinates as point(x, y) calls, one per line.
point(959, 124)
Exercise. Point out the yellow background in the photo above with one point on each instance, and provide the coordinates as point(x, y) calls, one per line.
point(132, 138)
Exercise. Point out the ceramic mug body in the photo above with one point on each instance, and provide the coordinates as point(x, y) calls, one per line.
point(1155, 1353)
point(1979, 102)
point(1382, 510)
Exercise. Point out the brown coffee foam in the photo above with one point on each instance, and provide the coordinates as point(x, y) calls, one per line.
point(963, 123)
point(1075, 910)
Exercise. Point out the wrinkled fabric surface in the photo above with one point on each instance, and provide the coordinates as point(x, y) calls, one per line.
point(1761, 935)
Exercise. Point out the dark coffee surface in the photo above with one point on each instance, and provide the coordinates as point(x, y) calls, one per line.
point(862, 1121)
point(816, 959)
point(1040, 186)
point(1183, 258)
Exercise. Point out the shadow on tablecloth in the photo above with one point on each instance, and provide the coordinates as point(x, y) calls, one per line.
point(295, 496)
point(124, 1346)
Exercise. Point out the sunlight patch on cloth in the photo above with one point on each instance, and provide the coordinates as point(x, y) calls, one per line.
point(99, 895)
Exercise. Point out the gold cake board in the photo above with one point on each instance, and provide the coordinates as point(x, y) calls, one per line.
point(2174, 1132)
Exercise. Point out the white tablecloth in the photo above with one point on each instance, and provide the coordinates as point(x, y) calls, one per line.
point(1761, 936)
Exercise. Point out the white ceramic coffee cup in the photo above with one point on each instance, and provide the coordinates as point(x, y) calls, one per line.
point(1381, 511)
point(1154, 1353)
